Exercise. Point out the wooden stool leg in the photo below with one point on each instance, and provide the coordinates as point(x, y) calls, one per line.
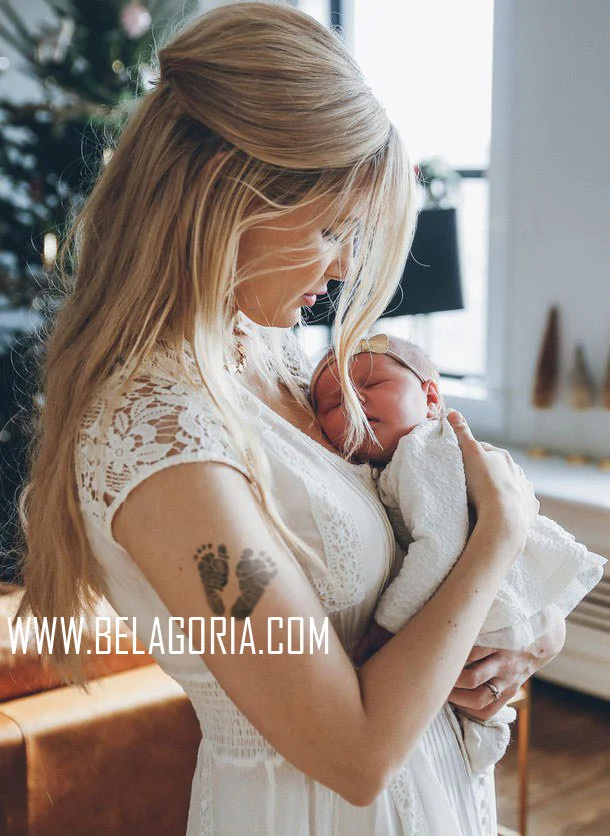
point(522, 757)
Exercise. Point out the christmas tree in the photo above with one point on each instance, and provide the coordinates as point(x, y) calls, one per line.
point(91, 63)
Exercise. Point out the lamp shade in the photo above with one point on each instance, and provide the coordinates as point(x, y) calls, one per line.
point(431, 281)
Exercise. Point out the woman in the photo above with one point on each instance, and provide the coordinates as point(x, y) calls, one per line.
point(260, 167)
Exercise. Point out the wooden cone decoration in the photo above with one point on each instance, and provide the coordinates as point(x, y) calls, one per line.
point(606, 389)
point(582, 387)
point(547, 368)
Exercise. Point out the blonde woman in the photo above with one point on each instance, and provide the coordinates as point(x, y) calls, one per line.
point(180, 472)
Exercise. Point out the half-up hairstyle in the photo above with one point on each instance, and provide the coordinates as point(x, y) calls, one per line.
point(258, 110)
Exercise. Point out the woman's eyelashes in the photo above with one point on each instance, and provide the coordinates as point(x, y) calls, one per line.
point(343, 234)
point(330, 236)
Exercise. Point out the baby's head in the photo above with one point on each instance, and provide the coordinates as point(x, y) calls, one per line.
point(397, 384)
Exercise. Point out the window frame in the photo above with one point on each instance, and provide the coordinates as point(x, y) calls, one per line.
point(484, 404)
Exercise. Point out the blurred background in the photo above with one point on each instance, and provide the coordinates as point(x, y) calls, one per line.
point(505, 111)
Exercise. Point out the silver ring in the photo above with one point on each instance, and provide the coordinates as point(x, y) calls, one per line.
point(495, 691)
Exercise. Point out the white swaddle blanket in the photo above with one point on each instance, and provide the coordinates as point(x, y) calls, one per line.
point(424, 490)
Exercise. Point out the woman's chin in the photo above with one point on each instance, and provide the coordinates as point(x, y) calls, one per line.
point(279, 320)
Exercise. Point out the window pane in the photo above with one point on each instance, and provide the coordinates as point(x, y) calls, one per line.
point(430, 63)
point(456, 340)
point(320, 9)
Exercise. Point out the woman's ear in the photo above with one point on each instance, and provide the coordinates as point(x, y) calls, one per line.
point(433, 399)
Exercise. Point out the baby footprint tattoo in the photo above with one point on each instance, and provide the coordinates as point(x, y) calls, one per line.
point(253, 575)
point(214, 574)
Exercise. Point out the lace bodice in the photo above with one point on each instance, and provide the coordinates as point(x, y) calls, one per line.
point(157, 422)
point(160, 421)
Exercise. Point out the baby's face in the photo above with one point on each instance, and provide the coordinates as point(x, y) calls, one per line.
point(393, 399)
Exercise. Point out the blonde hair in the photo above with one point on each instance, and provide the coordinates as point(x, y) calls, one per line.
point(258, 110)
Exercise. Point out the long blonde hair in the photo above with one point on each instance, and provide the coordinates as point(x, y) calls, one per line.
point(258, 110)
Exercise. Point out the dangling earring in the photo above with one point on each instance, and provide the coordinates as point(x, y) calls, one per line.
point(236, 368)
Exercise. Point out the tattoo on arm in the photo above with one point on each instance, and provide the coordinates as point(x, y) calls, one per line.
point(253, 575)
point(214, 574)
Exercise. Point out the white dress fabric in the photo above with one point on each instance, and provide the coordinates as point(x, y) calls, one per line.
point(242, 785)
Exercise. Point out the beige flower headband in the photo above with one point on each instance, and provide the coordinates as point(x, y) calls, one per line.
point(378, 344)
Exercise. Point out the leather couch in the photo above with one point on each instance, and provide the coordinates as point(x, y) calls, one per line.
point(118, 760)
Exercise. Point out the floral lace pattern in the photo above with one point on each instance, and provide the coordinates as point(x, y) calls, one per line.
point(408, 803)
point(155, 420)
point(345, 584)
point(159, 417)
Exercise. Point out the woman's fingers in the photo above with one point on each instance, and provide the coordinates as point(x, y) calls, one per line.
point(466, 439)
point(480, 703)
point(506, 670)
point(460, 425)
point(478, 652)
point(476, 673)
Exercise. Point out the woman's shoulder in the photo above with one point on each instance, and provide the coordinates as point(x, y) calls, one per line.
point(134, 427)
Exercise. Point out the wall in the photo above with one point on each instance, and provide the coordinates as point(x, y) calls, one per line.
point(557, 211)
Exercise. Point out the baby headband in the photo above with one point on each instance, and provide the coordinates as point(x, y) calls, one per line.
point(378, 344)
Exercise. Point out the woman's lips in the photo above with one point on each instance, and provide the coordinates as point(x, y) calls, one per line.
point(310, 298)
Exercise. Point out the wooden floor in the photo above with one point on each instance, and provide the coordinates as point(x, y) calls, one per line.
point(569, 766)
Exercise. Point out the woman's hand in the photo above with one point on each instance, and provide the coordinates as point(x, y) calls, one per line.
point(498, 489)
point(506, 670)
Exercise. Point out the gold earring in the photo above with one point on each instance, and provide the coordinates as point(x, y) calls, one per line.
point(236, 368)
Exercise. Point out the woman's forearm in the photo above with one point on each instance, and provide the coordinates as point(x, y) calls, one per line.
point(405, 684)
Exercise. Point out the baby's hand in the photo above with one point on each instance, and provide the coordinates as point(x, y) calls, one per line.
point(372, 641)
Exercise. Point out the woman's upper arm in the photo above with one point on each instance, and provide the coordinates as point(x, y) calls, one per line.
point(197, 533)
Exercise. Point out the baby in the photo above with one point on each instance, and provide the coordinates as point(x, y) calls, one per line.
point(423, 487)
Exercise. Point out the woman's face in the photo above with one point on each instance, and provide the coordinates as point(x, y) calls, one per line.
point(393, 399)
point(275, 297)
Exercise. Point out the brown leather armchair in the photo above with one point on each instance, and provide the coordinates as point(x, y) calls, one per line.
point(118, 760)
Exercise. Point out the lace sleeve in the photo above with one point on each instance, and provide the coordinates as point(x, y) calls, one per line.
point(154, 424)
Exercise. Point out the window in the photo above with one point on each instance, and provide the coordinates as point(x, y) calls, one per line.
point(430, 64)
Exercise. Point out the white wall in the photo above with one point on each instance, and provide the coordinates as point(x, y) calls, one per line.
point(557, 207)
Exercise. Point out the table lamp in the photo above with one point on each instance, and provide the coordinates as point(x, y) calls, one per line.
point(431, 280)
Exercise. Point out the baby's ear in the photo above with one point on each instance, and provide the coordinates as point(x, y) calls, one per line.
point(433, 398)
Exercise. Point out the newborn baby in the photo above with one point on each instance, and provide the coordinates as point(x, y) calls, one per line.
point(423, 488)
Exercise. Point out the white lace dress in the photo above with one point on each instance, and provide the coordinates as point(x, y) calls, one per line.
point(242, 785)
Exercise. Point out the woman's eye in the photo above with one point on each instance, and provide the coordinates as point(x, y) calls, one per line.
point(332, 236)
